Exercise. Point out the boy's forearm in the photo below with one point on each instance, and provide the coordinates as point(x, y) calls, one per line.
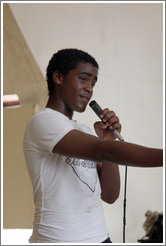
point(124, 153)
point(110, 182)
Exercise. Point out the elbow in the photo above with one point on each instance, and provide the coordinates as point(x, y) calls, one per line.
point(110, 199)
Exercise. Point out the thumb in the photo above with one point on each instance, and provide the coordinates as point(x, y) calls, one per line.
point(98, 124)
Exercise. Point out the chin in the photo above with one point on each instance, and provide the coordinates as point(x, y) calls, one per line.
point(81, 109)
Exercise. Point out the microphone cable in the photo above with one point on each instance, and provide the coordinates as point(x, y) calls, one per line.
point(124, 206)
point(124, 199)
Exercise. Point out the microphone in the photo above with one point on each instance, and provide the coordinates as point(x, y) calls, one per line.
point(97, 109)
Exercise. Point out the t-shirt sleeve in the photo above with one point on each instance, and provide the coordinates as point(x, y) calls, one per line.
point(46, 131)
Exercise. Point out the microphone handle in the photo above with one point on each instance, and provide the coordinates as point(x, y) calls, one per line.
point(97, 109)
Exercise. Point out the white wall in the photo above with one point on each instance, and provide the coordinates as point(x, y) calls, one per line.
point(126, 40)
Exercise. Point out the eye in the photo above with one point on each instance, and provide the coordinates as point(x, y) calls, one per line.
point(93, 84)
point(83, 79)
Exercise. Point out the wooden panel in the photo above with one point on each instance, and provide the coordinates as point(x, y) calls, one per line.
point(17, 189)
point(21, 73)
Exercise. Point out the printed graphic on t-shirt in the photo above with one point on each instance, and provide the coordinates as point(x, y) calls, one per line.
point(85, 170)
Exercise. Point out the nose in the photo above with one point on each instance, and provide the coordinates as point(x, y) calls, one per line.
point(89, 87)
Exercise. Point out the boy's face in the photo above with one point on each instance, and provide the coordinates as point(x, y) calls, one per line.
point(77, 87)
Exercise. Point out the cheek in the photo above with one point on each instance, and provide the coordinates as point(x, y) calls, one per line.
point(72, 96)
point(72, 90)
point(76, 88)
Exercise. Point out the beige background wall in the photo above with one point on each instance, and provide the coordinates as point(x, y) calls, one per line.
point(126, 40)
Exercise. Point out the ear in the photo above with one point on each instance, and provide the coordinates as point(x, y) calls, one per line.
point(58, 77)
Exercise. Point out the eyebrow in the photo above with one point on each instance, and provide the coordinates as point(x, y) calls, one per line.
point(89, 74)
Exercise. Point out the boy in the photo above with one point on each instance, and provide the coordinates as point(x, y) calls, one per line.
point(71, 169)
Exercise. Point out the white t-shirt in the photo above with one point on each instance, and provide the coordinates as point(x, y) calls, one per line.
point(68, 207)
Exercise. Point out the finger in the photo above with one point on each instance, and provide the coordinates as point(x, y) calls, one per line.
point(107, 115)
point(116, 126)
point(110, 120)
point(113, 120)
point(99, 124)
point(104, 112)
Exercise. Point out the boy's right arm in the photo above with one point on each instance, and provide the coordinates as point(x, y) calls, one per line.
point(85, 146)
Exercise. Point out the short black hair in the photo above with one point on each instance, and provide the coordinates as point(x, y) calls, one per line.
point(64, 61)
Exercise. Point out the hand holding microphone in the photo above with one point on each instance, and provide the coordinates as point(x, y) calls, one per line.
point(109, 120)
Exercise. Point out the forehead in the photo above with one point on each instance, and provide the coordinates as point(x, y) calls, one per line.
point(86, 68)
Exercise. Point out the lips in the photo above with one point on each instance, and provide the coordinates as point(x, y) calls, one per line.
point(85, 98)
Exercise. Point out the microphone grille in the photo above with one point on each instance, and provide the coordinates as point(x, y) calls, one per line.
point(96, 108)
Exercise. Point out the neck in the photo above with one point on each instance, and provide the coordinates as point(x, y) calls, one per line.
point(59, 106)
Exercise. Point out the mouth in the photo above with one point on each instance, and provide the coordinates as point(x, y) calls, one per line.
point(85, 99)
